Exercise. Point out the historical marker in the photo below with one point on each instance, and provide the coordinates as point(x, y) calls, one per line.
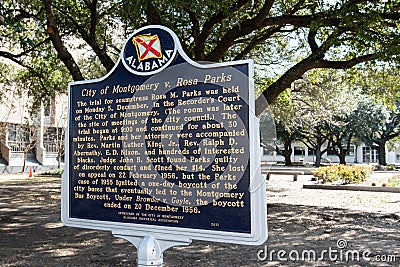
point(163, 146)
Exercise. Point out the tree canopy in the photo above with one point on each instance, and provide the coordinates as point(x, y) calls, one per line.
point(293, 35)
point(331, 110)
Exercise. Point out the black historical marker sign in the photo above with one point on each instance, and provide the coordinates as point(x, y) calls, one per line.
point(163, 144)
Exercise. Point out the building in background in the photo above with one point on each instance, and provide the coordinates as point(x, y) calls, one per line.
point(357, 154)
point(31, 139)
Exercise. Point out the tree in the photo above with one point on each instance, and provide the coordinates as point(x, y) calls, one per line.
point(316, 101)
point(29, 139)
point(287, 130)
point(286, 135)
point(378, 112)
point(338, 34)
point(379, 125)
point(327, 113)
point(321, 103)
point(380, 81)
point(340, 137)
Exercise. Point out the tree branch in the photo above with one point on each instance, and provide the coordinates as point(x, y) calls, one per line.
point(153, 16)
point(242, 29)
point(311, 40)
point(346, 64)
point(198, 53)
point(261, 38)
point(256, 41)
point(93, 19)
point(294, 20)
point(90, 37)
point(209, 25)
point(14, 58)
point(284, 82)
point(25, 52)
point(58, 44)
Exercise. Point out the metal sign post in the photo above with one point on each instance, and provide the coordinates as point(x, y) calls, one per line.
point(150, 250)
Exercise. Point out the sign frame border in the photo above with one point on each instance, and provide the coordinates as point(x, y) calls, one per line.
point(258, 205)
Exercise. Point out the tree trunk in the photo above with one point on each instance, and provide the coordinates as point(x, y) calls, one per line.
point(59, 159)
point(318, 151)
point(318, 156)
point(356, 154)
point(24, 165)
point(63, 54)
point(342, 157)
point(382, 153)
point(340, 150)
point(287, 153)
point(288, 161)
